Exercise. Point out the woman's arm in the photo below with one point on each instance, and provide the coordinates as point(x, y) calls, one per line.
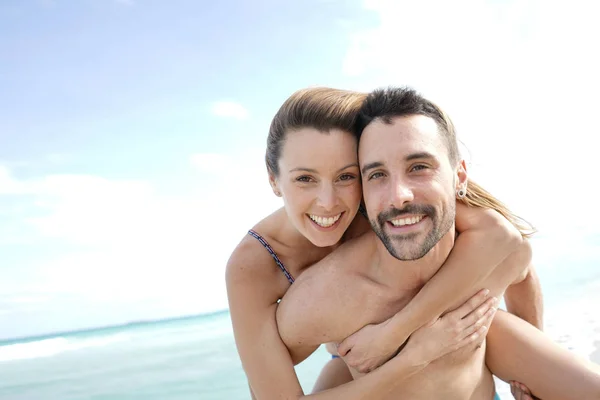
point(265, 358)
point(458, 329)
point(516, 351)
point(486, 239)
point(334, 373)
point(524, 298)
point(267, 361)
point(253, 289)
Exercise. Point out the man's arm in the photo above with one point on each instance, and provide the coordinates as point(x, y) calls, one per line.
point(309, 315)
point(524, 298)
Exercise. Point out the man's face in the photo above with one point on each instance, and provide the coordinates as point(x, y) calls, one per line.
point(408, 184)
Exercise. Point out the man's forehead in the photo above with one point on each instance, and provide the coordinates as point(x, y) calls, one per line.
point(401, 134)
point(416, 124)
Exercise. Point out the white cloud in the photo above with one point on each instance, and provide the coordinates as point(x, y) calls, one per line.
point(230, 109)
point(137, 246)
point(436, 40)
point(27, 300)
point(211, 162)
point(239, 187)
point(9, 185)
point(521, 92)
point(248, 160)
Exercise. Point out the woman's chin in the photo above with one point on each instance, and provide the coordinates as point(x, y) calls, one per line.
point(325, 239)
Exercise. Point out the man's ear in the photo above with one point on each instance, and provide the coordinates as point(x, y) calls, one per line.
point(461, 175)
point(274, 184)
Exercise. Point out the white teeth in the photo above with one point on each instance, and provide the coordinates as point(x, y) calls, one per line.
point(406, 221)
point(325, 222)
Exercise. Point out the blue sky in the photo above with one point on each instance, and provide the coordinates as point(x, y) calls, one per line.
point(132, 132)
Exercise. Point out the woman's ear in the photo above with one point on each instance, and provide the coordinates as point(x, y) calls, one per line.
point(274, 184)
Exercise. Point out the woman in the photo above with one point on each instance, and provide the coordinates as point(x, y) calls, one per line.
point(315, 174)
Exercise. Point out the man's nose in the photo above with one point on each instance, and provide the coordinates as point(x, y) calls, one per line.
point(401, 194)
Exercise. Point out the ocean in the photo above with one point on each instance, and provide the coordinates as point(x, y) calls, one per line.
point(196, 358)
point(187, 358)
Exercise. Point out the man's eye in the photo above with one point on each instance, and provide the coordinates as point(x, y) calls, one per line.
point(418, 167)
point(375, 175)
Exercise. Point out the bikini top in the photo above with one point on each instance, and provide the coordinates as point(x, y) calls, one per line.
point(266, 245)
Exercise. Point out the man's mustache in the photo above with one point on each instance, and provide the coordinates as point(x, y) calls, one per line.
point(407, 210)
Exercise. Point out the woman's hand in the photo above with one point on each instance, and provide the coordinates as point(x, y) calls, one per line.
point(366, 349)
point(467, 325)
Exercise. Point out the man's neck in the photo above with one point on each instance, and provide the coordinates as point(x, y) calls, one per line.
point(411, 275)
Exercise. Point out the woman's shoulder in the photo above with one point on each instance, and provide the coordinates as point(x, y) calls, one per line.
point(248, 259)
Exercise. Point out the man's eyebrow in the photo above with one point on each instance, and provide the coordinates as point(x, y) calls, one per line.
point(314, 171)
point(375, 164)
point(414, 156)
point(419, 155)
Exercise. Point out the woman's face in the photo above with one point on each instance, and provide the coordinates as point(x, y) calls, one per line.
point(319, 181)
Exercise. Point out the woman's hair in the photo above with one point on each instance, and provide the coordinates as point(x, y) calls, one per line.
point(319, 108)
point(385, 104)
point(479, 197)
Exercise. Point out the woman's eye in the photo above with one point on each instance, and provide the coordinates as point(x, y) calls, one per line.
point(347, 177)
point(303, 178)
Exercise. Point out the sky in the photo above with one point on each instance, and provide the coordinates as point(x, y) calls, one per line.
point(132, 132)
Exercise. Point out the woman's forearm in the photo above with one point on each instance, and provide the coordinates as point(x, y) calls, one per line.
point(524, 299)
point(474, 257)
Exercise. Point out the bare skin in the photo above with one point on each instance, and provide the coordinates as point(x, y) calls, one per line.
point(364, 282)
point(257, 290)
point(353, 280)
point(334, 373)
point(255, 284)
point(374, 344)
point(516, 350)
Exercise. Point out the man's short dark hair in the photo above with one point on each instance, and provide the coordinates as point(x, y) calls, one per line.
point(385, 104)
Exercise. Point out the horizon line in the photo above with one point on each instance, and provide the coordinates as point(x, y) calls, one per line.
point(48, 335)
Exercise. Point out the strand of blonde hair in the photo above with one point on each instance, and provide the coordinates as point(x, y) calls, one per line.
point(477, 196)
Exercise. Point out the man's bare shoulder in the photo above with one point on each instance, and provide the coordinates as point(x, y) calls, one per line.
point(310, 312)
point(349, 257)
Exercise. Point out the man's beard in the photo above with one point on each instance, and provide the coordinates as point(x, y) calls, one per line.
point(441, 226)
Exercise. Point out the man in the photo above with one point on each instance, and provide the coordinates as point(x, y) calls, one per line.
point(411, 177)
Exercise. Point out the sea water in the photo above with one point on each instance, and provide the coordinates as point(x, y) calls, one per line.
point(189, 358)
point(196, 358)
